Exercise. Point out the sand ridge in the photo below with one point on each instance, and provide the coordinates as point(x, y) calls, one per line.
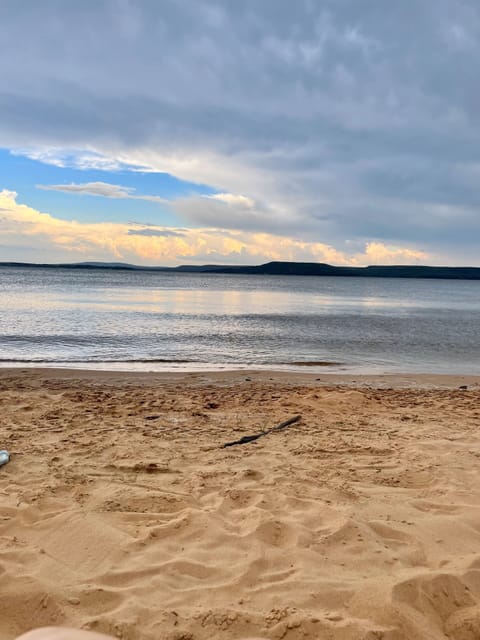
point(120, 512)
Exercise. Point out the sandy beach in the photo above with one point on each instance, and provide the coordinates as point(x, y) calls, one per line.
point(120, 510)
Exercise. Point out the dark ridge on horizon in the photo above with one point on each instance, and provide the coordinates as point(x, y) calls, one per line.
point(282, 269)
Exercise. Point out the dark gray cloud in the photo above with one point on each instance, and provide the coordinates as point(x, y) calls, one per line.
point(348, 120)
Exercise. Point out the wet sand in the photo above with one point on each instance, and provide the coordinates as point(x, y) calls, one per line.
point(121, 512)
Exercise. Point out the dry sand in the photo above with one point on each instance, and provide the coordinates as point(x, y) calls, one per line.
point(120, 511)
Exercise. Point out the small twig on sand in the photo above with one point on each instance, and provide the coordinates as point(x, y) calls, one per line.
point(255, 436)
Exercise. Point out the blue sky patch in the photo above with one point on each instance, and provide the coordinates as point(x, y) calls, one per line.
point(24, 175)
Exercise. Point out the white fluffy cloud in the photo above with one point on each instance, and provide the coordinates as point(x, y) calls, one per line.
point(233, 199)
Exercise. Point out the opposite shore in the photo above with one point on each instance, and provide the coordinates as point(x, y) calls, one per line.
point(279, 268)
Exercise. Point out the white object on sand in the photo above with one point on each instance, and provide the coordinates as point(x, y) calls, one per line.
point(4, 457)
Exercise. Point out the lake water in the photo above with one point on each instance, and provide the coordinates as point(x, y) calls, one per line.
point(157, 321)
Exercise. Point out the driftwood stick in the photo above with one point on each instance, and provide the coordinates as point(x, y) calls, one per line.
point(287, 423)
point(255, 436)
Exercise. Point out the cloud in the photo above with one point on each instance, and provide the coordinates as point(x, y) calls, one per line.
point(232, 199)
point(75, 159)
point(38, 236)
point(163, 233)
point(235, 211)
point(378, 253)
point(339, 121)
point(102, 189)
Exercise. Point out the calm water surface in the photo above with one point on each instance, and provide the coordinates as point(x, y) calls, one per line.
point(155, 321)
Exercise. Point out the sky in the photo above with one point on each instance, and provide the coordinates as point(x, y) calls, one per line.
point(168, 132)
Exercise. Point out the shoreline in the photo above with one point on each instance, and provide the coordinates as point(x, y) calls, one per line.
point(236, 376)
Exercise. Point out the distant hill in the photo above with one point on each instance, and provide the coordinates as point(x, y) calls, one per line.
point(283, 269)
point(86, 265)
point(373, 271)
